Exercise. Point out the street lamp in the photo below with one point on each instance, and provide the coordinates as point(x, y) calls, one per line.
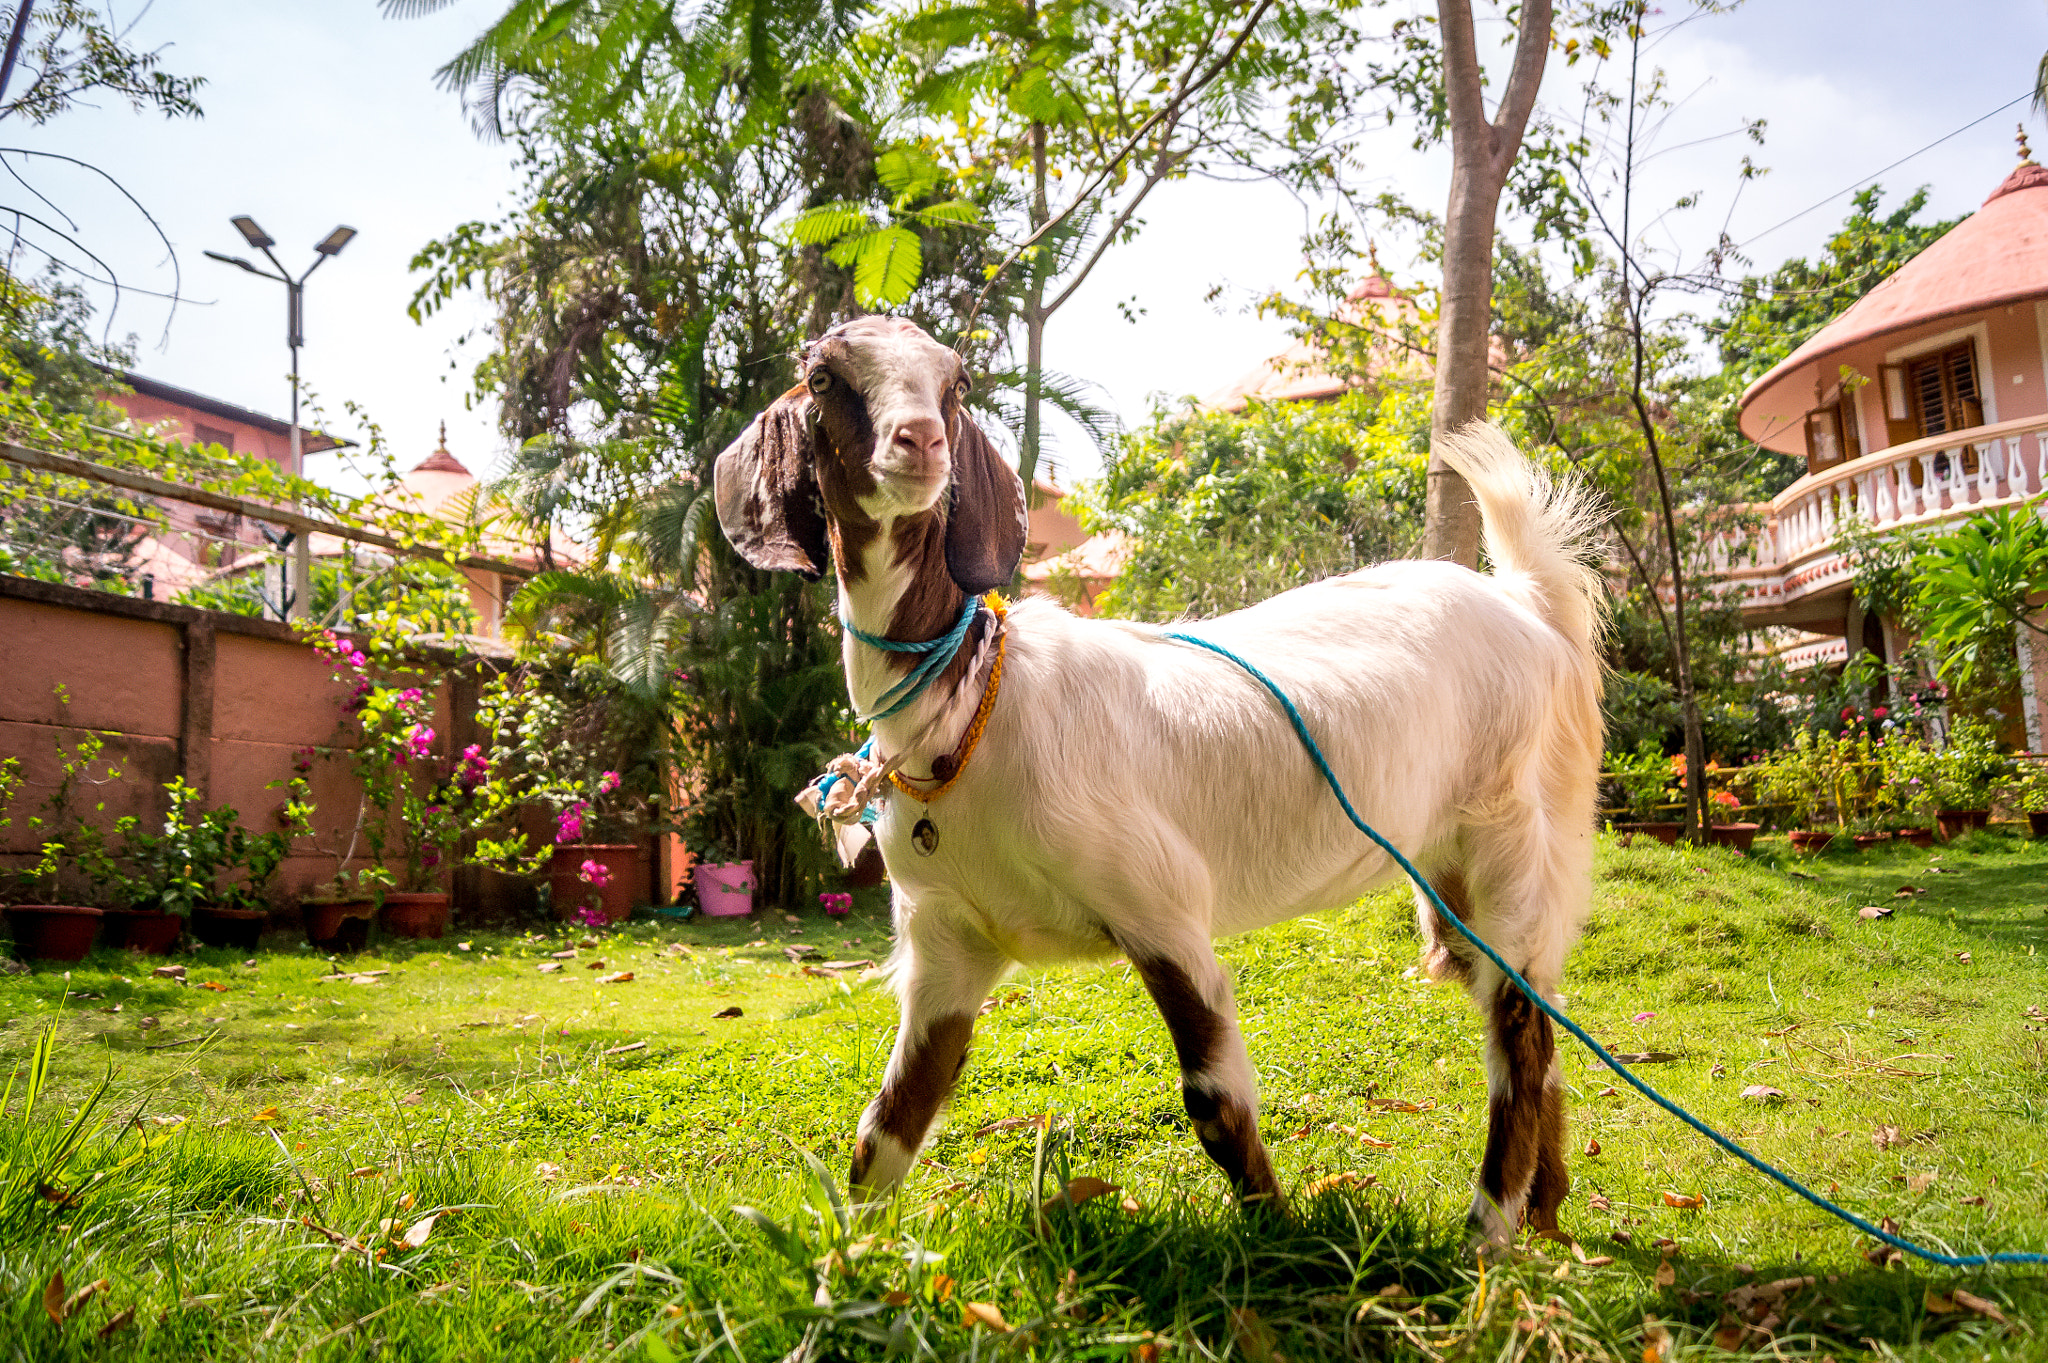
point(301, 596)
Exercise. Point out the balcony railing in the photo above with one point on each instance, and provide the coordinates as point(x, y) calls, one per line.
point(1940, 478)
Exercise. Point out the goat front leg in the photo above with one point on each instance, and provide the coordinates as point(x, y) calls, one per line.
point(1218, 1085)
point(941, 983)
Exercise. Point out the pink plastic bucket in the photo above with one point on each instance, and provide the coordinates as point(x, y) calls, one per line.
point(726, 889)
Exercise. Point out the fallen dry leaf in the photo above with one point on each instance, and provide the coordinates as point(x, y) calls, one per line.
point(216, 988)
point(1939, 1303)
point(118, 1320)
point(266, 1116)
point(620, 977)
point(1685, 1202)
point(895, 1298)
point(1592, 1148)
point(1598, 1202)
point(53, 1297)
point(367, 1171)
point(1971, 1202)
point(986, 1313)
point(1346, 1179)
point(1763, 1093)
point(568, 955)
point(1920, 1183)
point(1657, 1345)
point(1963, 956)
point(169, 972)
point(732, 1012)
point(1884, 1137)
point(1640, 1058)
point(942, 1286)
point(1147, 1352)
point(1874, 911)
point(1131, 1205)
point(417, 1234)
point(1987, 1309)
point(1011, 1124)
point(1598, 1260)
point(594, 965)
point(1254, 1339)
point(1665, 1275)
point(549, 967)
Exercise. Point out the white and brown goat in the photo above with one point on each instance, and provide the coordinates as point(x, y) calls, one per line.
point(1135, 796)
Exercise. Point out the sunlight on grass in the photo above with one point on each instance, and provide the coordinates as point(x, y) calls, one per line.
point(433, 1152)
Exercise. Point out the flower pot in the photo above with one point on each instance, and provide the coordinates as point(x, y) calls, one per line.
point(1736, 835)
point(1919, 837)
point(150, 931)
point(1980, 818)
point(53, 932)
point(338, 925)
point(415, 915)
point(725, 889)
point(1866, 841)
point(1956, 822)
point(1811, 840)
point(237, 928)
point(2037, 824)
point(617, 865)
point(1666, 833)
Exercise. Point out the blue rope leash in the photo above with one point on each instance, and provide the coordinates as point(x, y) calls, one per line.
point(938, 653)
point(1754, 1161)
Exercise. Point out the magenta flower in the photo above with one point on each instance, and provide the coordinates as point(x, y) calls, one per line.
point(419, 742)
point(836, 904)
point(409, 695)
point(595, 873)
point(474, 769)
point(608, 783)
point(430, 858)
point(591, 917)
point(569, 823)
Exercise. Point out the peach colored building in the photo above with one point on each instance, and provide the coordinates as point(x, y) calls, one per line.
point(1923, 403)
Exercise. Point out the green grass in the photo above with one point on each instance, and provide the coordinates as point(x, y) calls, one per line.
point(587, 1193)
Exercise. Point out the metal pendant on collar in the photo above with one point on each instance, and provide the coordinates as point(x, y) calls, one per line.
point(925, 837)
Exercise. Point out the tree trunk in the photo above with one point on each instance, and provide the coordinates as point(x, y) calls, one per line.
point(1482, 150)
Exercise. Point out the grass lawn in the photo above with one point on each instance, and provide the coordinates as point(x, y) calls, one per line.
point(455, 1152)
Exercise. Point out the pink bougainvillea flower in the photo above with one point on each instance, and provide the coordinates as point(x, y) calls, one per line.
point(595, 873)
point(608, 783)
point(1644, 1017)
point(569, 824)
point(430, 858)
point(419, 742)
point(1848, 712)
point(1880, 712)
point(409, 695)
point(592, 917)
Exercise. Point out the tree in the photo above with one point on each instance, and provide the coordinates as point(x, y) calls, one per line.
point(63, 50)
point(1118, 99)
point(1224, 509)
point(1482, 152)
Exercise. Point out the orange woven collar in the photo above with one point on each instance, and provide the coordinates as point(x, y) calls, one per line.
point(972, 738)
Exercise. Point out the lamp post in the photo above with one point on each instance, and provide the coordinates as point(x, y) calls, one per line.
point(298, 602)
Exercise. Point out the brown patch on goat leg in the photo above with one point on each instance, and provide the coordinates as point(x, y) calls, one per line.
point(912, 1096)
point(1523, 1046)
point(1224, 1123)
point(1440, 958)
point(1547, 1190)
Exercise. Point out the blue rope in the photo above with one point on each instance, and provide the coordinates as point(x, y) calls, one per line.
point(938, 653)
point(1755, 1162)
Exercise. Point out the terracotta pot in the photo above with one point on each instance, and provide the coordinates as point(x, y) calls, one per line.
point(1919, 837)
point(1811, 840)
point(237, 928)
point(53, 932)
point(624, 876)
point(1980, 818)
point(1956, 822)
point(338, 925)
point(2037, 824)
point(1736, 835)
point(415, 915)
point(725, 889)
point(1866, 841)
point(150, 931)
point(1666, 833)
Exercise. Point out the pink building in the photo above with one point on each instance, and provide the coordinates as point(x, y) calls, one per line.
point(1925, 402)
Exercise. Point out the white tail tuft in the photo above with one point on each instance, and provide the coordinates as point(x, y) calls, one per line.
point(1542, 528)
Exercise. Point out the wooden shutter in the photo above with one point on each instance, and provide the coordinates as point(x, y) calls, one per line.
point(1850, 427)
point(1900, 425)
point(1823, 438)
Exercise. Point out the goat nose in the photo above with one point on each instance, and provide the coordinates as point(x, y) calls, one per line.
point(921, 436)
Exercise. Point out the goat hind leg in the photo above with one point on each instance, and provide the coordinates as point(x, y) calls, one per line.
point(1525, 1121)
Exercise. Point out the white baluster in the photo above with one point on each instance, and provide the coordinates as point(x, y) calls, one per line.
point(2041, 467)
point(1930, 493)
point(1987, 477)
point(1884, 510)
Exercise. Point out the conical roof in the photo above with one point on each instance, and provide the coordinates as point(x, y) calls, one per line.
point(1996, 256)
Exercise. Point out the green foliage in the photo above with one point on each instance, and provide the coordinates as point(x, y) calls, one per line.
point(1972, 585)
point(1972, 766)
point(1646, 778)
point(1224, 509)
point(74, 50)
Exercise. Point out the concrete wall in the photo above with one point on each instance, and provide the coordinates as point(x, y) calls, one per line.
point(221, 700)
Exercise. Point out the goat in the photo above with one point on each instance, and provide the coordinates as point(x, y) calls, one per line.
point(1135, 796)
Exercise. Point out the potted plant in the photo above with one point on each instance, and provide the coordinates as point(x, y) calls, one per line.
point(74, 864)
point(1970, 767)
point(1725, 830)
point(1909, 769)
point(724, 882)
point(2026, 790)
point(1801, 780)
point(597, 865)
point(1644, 777)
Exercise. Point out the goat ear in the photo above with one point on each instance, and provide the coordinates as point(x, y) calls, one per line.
point(985, 528)
point(768, 500)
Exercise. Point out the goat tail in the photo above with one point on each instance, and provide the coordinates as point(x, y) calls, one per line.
point(1542, 529)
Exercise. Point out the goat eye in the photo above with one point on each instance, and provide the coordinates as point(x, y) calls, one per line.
point(820, 379)
point(963, 386)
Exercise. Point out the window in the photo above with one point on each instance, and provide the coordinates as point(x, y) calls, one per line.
point(1943, 391)
point(1832, 434)
point(213, 435)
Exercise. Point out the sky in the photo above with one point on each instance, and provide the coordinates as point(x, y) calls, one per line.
point(323, 112)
